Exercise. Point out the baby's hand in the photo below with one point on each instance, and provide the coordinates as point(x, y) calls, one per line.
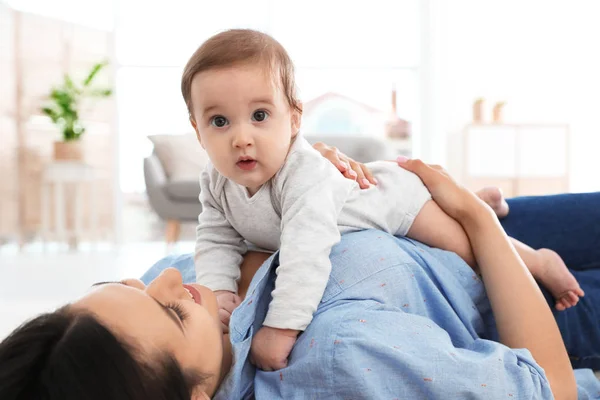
point(227, 302)
point(271, 347)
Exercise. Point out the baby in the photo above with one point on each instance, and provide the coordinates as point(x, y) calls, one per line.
point(266, 185)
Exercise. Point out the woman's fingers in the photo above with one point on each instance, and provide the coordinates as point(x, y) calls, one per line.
point(455, 200)
point(348, 167)
point(333, 155)
point(350, 173)
point(351, 169)
point(368, 175)
point(336, 158)
point(431, 175)
point(417, 167)
point(363, 182)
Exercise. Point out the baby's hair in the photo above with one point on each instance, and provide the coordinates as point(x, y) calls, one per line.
point(239, 47)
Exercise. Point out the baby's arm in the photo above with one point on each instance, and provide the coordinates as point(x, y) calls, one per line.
point(310, 209)
point(435, 228)
point(309, 213)
point(219, 248)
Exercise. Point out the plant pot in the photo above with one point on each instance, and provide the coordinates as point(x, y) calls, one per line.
point(68, 151)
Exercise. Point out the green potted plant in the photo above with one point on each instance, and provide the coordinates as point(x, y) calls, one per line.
point(63, 108)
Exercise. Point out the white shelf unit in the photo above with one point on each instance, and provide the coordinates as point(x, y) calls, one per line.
point(521, 159)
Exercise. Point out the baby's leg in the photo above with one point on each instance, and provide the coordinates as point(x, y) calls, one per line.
point(495, 199)
point(550, 270)
point(435, 228)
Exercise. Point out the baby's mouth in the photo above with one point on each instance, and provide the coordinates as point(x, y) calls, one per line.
point(246, 163)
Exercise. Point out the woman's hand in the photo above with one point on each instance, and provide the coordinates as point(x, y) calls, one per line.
point(456, 201)
point(348, 167)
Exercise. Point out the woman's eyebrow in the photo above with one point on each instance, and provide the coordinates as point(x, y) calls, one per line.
point(106, 283)
point(166, 309)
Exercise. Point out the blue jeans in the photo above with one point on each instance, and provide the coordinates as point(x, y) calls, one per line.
point(570, 225)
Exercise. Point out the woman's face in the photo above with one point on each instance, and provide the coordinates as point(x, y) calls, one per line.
point(163, 316)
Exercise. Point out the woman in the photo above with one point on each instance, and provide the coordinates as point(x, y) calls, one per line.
point(129, 341)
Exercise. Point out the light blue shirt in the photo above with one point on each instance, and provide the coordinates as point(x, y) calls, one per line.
point(398, 320)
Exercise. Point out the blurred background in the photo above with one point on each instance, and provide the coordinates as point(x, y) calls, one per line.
point(501, 92)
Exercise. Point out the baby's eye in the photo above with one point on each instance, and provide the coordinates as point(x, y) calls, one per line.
point(218, 121)
point(260, 115)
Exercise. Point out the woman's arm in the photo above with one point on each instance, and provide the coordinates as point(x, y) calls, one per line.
point(522, 316)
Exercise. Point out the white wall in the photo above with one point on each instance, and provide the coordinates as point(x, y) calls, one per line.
point(539, 56)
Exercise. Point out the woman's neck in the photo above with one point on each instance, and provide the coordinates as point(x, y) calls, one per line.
point(227, 358)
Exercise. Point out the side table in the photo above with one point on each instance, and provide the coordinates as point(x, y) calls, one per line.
point(60, 175)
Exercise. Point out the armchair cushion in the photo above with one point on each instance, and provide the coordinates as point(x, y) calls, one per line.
point(181, 156)
point(183, 190)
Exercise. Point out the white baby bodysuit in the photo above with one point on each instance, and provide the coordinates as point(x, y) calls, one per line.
point(302, 212)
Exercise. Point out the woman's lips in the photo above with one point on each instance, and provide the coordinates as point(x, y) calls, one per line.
point(246, 165)
point(195, 294)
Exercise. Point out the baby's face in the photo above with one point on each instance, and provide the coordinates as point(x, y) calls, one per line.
point(244, 122)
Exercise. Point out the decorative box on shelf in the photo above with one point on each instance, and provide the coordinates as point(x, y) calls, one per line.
point(521, 159)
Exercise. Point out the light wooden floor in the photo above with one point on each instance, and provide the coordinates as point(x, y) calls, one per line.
point(38, 281)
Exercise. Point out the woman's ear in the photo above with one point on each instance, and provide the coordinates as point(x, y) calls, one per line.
point(195, 126)
point(296, 120)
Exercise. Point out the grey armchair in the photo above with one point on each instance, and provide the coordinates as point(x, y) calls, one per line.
point(177, 202)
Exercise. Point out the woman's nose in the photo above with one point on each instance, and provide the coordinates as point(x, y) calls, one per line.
point(168, 283)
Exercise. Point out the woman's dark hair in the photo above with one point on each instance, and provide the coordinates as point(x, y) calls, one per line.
point(68, 355)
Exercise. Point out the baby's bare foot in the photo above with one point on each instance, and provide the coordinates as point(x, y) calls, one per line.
point(494, 198)
point(554, 275)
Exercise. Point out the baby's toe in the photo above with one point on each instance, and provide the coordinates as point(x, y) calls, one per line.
point(573, 298)
point(565, 302)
